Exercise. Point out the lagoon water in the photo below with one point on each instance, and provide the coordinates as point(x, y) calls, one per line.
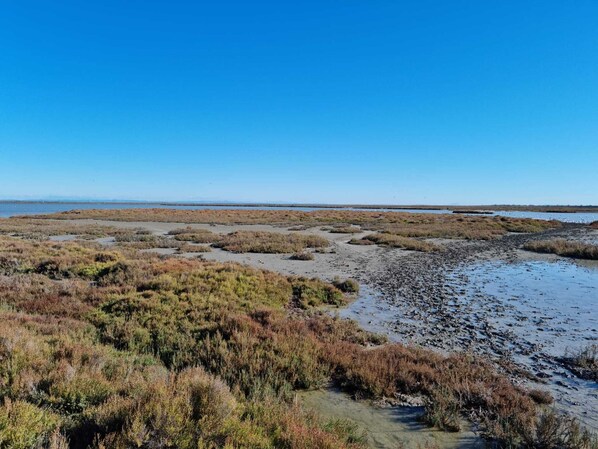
point(12, 208)
point(388, 426)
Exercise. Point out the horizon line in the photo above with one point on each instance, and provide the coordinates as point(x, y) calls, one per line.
point(283, 204)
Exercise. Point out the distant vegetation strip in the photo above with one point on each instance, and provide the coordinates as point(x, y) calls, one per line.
point(482, 207)
point(398, 223)
point(487, 207)
point(566, 248)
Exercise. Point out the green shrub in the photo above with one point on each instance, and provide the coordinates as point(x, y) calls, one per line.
point(269, 242)
point(25, 426)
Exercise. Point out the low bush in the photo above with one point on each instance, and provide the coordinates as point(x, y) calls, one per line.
point(552, 431)
point(269, 242)
point(195, 235)
point(346, 286)
point(361, 242)
point(303, 255)
point(583, 363)
point(541, 397)
point(313, 293)
point(345, 230)
point(24, 425)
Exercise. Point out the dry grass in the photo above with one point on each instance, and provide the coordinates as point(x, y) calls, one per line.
point(564, 248)
point(304, 255)
point(399, 223)
point(268, 242)
point(345, 230)
point(252, 241)
point(362, 242)
point(584, 363)
point(194, 235)
point(541, 397)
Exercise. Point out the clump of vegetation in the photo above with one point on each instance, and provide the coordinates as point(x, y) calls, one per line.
point(303, 255)
point(541, 397)
point(345, 230)
point(346, 286)
point(194, 235)
point(552, 431)
point(397, 241)
point(594, 225)
point(309, 293)
point(252, 241)
point(564, 248)
point(583, 363)
point(269, 242)
point(364, 242)
point(136, 237)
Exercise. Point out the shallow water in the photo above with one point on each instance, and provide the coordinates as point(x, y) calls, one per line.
point(554, 303)
point(552, 307)
point(578, 217)
point(386, 427)
point(530, 311)
point(9, 209)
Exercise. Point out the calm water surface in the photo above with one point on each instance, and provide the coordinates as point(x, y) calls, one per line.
point(538, 308)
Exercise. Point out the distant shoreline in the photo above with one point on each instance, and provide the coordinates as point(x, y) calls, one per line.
point(471, 209)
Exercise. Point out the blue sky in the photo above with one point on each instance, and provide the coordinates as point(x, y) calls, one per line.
point(344, 101)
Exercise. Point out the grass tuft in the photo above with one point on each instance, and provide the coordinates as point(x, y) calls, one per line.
point(564, 248)
point(269, 242)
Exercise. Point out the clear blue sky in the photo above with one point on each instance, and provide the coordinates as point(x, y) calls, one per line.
point(312, 101)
